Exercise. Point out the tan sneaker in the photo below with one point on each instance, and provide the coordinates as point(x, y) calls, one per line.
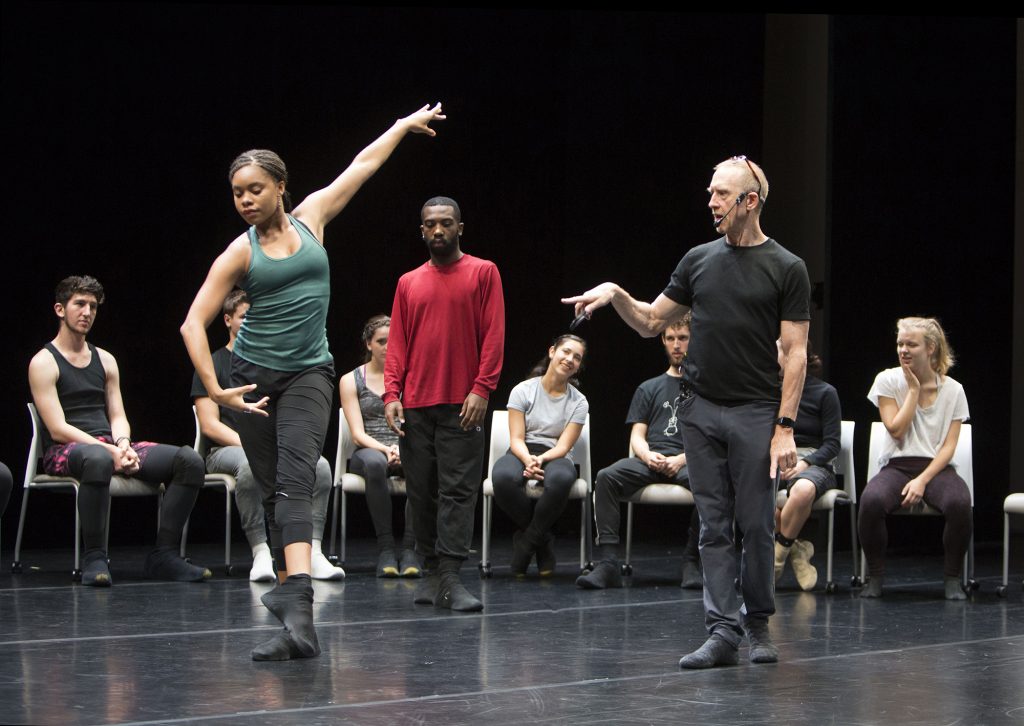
point(806, 573)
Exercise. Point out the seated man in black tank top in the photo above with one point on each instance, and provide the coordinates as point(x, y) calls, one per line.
point(77, 392)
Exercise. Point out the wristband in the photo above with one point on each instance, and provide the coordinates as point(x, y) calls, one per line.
point(119, 439)
point(785, 422)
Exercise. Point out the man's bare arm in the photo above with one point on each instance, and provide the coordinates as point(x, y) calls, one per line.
point(648, 319)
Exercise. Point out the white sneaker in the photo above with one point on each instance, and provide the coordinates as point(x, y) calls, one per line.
point(322, 569)
point(262, 567)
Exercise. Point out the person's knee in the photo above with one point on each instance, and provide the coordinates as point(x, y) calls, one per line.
point(94, 463)
point(802, 493)
point(560, 475)
point(188, 467)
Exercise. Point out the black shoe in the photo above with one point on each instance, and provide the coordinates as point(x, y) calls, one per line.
point(164, 563)
point(605, 575)
point(546, 556)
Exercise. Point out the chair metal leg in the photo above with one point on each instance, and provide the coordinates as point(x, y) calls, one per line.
point(344, 524)
point(627, 568)
point(334, 526)
point(227, 530)
point(1006, 548)
point(858, 574)
point(830, 585)
point(16, 565)
point(485, 545)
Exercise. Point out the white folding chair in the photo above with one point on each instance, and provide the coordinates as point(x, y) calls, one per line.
point(843, 467)
point(213, 480)
point(664, 493)
point(964, 464)
point(580, 490)
point(119, 487)
point(1013, 504)
point(346, 483)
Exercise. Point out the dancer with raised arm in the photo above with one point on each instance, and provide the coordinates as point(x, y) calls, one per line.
point(282, 372)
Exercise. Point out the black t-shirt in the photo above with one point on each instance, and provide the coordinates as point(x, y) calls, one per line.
point(819, 421)
point(656, 403)
point(222, 369)
point(738, 296)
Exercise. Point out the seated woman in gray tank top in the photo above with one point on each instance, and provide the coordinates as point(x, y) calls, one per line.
point(376, 456)
point(546, 414)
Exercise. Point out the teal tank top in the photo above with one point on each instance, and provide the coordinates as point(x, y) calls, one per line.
point(286, 326)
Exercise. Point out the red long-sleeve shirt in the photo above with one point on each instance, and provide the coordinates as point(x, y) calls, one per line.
point(447, 335)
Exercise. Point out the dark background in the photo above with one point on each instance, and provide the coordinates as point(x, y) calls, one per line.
point(579, 145)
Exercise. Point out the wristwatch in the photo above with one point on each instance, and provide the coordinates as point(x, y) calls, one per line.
point(785, 422)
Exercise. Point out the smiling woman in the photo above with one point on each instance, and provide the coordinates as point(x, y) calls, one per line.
point(282, 373)
point(546, 414)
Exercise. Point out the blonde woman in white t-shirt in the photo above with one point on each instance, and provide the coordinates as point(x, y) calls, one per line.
point(546, 414)
point(922, 409)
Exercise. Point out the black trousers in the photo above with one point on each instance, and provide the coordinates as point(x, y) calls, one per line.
point(443, 474)
point(283, 448)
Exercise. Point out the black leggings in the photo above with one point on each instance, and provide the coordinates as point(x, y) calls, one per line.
point(284, 447)
point(179, 468)
point(535, 517)
point(372, 465)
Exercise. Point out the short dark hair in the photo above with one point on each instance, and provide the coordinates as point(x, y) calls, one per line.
point(683, 322)
point(235, 298)
point(443, 202)
point(85, 284)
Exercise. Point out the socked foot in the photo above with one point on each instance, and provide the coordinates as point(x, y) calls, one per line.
point(872, 588)
point(164, 563)
point(715, 652)
point(605, 574)
point(453, 595)
point(954, 591)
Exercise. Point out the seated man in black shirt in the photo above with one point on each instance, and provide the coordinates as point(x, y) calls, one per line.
point(658, 448)
point(76, 389)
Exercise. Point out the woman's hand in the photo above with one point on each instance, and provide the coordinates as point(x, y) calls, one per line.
point(912, 380)
point(393, 457)
point(913, 492)
point(535, 469)
point(419, 122)
point(795, 471)
point(233, 398)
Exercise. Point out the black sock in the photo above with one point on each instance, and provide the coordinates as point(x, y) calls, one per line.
point(784, 541)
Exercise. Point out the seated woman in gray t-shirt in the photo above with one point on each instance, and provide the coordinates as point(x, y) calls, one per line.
point(546, 414)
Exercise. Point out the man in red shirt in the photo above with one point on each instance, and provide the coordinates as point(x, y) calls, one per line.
point(445, 351)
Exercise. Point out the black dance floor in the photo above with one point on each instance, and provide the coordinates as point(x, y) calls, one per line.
point(542, 652)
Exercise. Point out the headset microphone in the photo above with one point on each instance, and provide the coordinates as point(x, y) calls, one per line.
point(738, 200)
